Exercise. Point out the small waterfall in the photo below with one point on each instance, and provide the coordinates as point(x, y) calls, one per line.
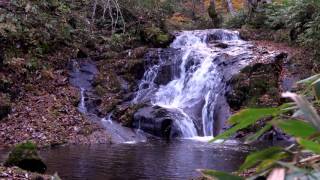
point(147, 85)
point(82, 105)
point(194, 90)
point(107, 119)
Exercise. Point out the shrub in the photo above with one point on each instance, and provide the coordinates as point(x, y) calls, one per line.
point(236, 21)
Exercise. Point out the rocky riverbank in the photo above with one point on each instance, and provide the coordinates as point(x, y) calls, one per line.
point(48, 115)
point(17, 173)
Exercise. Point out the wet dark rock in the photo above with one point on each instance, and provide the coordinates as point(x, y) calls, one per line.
point(158, 121)
point(26, 157)
point(221, 114)
point(256, 85)
point(167, 60)
point(135, 68)
point(221, 45)
point(165, 75)
point(83, 53)
point(82, 73)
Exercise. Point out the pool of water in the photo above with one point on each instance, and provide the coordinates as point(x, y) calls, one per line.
point(149, 160)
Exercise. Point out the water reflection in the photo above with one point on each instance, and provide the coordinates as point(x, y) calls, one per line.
point(152, 160)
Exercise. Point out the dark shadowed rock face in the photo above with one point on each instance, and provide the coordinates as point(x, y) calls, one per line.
point(168, 61)
point(158, 121)
point(256, 85)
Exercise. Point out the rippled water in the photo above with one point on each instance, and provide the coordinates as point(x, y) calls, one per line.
point(152, 160)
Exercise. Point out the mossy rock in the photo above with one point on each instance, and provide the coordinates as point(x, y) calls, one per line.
point(124, 113)
point(26, 157)
point(156, 36)
point(255, 86)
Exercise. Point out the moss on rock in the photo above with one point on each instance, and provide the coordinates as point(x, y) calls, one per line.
point(156, 36)
point(26, 157)
point(124, 113)
point(255, 86)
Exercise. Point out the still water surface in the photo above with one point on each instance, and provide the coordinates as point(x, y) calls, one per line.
point(157, 159)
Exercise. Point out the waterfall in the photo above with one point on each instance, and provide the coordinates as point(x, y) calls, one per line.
point(192, 90)
point(82, 105)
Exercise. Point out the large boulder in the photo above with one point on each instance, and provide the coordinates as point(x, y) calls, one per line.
point(256, 85)
point(158, 121)
point(26, 157)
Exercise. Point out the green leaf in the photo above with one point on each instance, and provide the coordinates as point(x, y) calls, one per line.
point(252, 115)
point(309, 112)
point(218, 175)
point(297, 128)
point(255, 136)
point(245, 118)
point(310, 145)
point(269, 156)
point(309, 80)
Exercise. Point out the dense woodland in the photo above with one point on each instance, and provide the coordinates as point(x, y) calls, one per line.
point(40, 38)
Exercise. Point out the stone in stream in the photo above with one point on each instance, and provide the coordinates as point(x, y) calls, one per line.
point(158, 121)
point(26, 157)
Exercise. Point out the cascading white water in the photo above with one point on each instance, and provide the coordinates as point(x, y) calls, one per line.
point(199, 82)
point(147, 84)
point(82, 105)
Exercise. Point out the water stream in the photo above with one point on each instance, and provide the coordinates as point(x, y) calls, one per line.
point(196, 78)
point(183, 84)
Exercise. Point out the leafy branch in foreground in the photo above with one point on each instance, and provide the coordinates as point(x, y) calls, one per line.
point(299, 120)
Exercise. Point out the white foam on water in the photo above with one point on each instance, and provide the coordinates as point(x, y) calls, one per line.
point(194, 92)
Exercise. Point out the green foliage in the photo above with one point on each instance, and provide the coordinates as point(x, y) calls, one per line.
point(255, 136)
point(236, 21)
point(41, 25)
point(264, 159)
point(156, 36)
point(310, 145)
point(162, 8)
point(296, 128)
point(301, 18)
point(246, 118)
point(303, 124)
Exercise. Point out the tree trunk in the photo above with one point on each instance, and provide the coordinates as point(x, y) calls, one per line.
point(230, 7)
point(213, 3)
point(203, 6)
point(251, 6)
point(193, 9)
point(216, 18)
